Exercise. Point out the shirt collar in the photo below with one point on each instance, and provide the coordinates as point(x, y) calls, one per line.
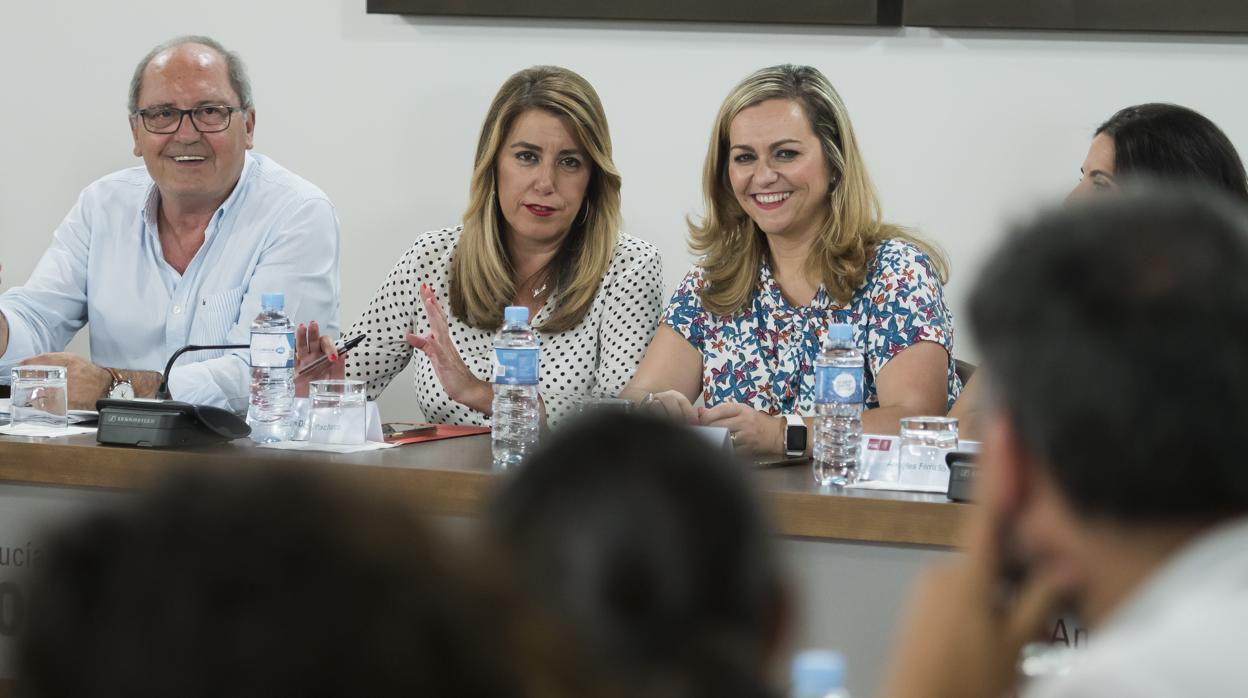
point(1217, 558)
point(151, 202)
point(769, 291)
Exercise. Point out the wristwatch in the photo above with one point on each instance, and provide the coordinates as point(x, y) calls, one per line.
point(121, 389)
point(794, 435)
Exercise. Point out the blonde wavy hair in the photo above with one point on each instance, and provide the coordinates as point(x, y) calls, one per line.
point(482, 279)
point(731, 246)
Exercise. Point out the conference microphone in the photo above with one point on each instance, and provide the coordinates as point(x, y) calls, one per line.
point(166, 423)
point(162, 393)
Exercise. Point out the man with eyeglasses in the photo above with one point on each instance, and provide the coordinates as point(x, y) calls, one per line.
point(180, 251)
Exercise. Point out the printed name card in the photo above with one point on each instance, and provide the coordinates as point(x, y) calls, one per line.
point(334, 429)
point(911, 466)
point(878, 458)
point(923, 466)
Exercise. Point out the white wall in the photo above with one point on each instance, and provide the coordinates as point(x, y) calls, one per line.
point(961, 130)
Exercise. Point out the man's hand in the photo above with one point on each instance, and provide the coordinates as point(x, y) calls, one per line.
point(86, 382)
point(963, 630)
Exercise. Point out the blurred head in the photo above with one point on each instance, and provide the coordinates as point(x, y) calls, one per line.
point(197, 158)
point(1162, 141)
point(265, 583)
point(1114, 333)
point(652, 548)
point(543, 176)
point(783, 161)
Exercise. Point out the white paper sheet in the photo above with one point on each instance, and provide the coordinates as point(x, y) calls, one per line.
point(67, 431)
point(326, 448)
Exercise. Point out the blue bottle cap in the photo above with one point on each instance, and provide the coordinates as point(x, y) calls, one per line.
point(840, 332)
point(818, 672)
point(515, 315)
point(272, 301)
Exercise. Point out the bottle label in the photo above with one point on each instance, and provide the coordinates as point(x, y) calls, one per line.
point(839, 385)
point(270, 350)
point(516, 366)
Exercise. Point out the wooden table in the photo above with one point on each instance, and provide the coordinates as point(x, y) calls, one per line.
point(851, 554)
point(455, 477)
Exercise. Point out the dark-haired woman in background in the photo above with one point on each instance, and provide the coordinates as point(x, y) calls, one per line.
point(1159, 141)
point(1162, 141)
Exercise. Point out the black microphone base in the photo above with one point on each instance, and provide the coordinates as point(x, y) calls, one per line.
point(166, 424)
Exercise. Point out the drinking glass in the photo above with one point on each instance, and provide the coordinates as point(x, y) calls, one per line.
point(591, 404)
point(338, 414)
point(924, 442)
point(39, 403)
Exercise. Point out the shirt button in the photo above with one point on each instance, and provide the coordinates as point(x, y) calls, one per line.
point(177, 309)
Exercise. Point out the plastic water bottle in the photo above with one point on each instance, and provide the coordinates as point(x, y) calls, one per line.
point(272, 372)
point(818, 674)
point(516, 410)
point(838, 408)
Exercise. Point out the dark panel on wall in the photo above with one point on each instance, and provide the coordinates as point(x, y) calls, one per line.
point(857, 12)
point(1222, 16)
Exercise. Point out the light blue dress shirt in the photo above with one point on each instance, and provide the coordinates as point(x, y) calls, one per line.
point(275, 232)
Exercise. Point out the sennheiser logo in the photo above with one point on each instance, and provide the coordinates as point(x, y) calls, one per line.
point(128, 419)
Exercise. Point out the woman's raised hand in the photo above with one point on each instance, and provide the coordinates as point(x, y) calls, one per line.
point(310, 347)
point(458, 382)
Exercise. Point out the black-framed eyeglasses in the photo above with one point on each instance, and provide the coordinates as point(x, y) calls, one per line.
point(206, 118)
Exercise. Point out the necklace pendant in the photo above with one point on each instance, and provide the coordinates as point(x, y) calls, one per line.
point(539, 291)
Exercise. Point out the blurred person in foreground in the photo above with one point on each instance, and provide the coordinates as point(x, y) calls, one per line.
point(652, 548)
point(1161, 141)
point(273, 583)
point(1112, 478)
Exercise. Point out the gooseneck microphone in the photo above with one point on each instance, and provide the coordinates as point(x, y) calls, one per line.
point(162, 393)
point(166, 423)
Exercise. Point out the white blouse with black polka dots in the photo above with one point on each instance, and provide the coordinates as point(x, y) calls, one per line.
point(597, 357)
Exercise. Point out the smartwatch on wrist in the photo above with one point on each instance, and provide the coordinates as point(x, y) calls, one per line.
point(121, 389)
point(794, 435)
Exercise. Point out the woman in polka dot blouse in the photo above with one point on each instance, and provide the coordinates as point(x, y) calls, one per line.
point(792, 241)
point(541, 230)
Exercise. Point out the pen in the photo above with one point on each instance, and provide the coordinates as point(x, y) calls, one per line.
point(348, 346)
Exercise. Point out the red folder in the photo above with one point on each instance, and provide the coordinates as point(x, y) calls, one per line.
point(439, 431)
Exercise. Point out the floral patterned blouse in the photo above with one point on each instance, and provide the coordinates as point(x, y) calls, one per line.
point(765, 356)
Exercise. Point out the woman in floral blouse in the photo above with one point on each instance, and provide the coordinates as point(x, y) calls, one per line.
point(792, 241)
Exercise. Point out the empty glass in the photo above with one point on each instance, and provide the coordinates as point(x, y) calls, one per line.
point(591, 404)
point(338, 412)
point(924, 442)
point(39, 402)
point(299, 418)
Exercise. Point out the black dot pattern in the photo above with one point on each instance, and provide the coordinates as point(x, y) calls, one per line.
point(596, 358)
